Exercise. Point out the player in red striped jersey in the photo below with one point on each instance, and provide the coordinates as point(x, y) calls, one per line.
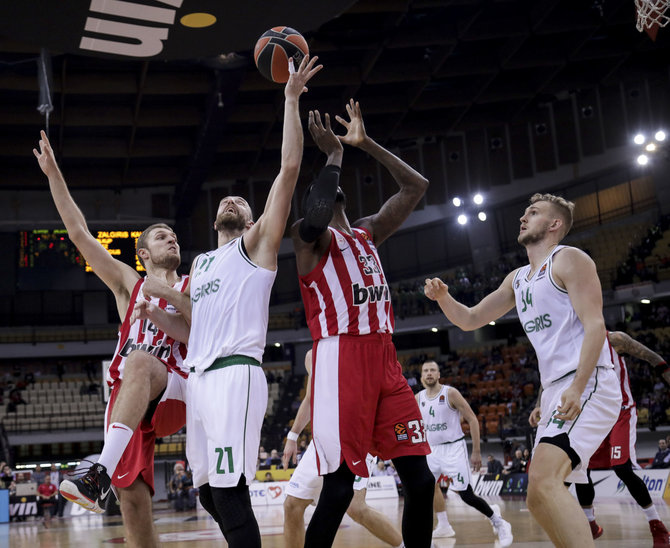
point(147, 373)
point(617, 451)
point(360, 401)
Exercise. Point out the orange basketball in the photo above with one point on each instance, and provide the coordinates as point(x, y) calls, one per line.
point(273, 50)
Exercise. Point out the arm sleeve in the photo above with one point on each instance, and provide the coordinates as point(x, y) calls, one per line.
point(317, 207)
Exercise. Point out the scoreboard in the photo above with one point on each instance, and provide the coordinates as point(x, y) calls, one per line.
point(52, 248)
point(121, 244)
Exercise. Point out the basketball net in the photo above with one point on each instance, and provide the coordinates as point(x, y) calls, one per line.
point(651, 16)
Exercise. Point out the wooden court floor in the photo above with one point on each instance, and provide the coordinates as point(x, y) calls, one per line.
point(622, 520)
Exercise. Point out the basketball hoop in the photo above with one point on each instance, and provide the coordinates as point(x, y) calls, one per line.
point(651, 14)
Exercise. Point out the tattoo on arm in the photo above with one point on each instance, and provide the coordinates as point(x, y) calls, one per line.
point(624, 344)
point(539, 397)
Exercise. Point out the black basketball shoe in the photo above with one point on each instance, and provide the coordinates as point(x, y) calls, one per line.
point(90, 490)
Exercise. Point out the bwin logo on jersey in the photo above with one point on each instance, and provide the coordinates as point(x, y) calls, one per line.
point(372, 293)
point(159, 350)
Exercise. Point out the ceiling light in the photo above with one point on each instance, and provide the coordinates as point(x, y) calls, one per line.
point(277, 345)
point(433, 329)
point(639, 139)
point(462, 219)
point(456, 201)
point(651, 147)
point(478, 199)
point(492, 323)
point(481, 215)
point(645, 301)
point(660, 135)
point(643, 159)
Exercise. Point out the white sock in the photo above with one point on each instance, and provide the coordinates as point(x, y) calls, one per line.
point(651, 513)
point(590, 514)
point(118, 437)
point(442, 519)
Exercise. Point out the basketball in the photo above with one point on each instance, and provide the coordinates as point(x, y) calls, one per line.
point(273, 50)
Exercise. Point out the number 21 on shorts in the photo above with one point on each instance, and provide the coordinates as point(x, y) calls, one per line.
point(224, 465)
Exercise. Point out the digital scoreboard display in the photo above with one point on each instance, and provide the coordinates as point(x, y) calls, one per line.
point(47, 248)
point(121, 245)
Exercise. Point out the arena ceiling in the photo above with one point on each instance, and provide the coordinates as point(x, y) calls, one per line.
point(423, 70)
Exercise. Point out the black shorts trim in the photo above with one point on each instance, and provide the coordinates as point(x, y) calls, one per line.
point(563, 442)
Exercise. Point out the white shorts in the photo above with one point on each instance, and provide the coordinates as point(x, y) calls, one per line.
point(224, 414)
point(601, 404)
point(451, 460)
point(305, 483)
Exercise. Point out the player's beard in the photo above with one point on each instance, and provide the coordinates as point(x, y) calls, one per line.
point(429, 384)
point(230, 222)
point(168, 261)
point(527, 237)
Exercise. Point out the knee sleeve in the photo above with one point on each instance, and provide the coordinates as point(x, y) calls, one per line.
point(585, 493)
point(468, 497)
point(205, 494)
point(636, 486)
point(238, 523)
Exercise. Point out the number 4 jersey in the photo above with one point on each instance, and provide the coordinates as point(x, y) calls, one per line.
point(551, 323)
point(441, 421)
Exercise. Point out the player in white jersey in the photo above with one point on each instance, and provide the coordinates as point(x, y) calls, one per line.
point(361, 403)
point(617, 451)
point(559, 302)
point(230, 295)
point(146, 384)
point(305, 485)
point(442, 408)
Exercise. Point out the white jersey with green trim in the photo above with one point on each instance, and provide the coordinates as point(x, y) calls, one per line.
point(230, 300)
point(441, 421)
point(551, 323)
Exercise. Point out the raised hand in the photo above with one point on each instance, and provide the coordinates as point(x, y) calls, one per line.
point(322, 133)
point(298, 78)
point(355, 135)
point(45, 156)
point(435, 289)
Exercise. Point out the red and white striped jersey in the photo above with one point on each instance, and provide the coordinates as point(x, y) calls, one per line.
point(144, 335)
point(347, 293)
point(627, 400)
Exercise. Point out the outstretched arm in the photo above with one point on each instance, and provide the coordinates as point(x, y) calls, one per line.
point(262, 241)
point(173, 325)
point(118, 276)
point(412, 184)
point(457, 401)
point(491, 307)
point(625, 344)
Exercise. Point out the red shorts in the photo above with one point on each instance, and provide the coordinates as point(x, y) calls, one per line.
point(168, 417)
point(361, 404)
point(619, 445)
